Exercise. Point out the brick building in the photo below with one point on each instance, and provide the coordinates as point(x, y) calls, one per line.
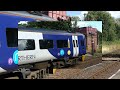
point(91, 37)
point(56, 14)
point(52, 14)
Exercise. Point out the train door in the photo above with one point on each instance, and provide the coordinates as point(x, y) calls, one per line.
point(75, 46)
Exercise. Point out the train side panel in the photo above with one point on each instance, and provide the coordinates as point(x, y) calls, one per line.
point(62, 45)
point(29, 48)
point(82, 45)
point(8, 38)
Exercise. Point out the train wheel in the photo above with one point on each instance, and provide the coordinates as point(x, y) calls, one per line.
point(21, 75)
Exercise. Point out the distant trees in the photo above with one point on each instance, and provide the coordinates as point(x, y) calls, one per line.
point(117, 25)
point(65, 25)
point(75, 18)
point(99, 37)
point(57, 25)
point(110, 28)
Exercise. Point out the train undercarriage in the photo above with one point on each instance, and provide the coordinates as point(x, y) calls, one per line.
point(41, 70)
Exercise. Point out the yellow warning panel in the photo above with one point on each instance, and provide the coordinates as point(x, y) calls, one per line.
point(83, 57)
point(54, 70)
point(69, 52)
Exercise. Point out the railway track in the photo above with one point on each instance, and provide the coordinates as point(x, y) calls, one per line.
point(110, 59)
point(90, 69)
point(87, 63)
point(93, 68)
point(101, 72)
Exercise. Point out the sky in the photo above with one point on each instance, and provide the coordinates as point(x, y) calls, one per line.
point(94, 24)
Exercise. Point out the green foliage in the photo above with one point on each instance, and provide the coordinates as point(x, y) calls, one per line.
point(58, 25)
point(99, 38)
point(108, 24)
point(117, 24)
point(75, 18)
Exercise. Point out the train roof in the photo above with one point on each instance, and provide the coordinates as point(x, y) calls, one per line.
point(26, 15)
point(48, 31)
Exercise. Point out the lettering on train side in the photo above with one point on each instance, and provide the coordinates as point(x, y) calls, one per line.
point(27, 57)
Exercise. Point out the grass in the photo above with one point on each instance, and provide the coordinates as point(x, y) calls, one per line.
point(99, 49)
point(108, 47)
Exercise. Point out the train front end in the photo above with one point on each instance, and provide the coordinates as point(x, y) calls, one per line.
point(9, 41)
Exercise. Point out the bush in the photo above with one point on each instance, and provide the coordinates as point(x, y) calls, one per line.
point(58, 25)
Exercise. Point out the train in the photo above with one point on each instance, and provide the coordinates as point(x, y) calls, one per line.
point(44, 48)
point(9, 41)
point(26, 49)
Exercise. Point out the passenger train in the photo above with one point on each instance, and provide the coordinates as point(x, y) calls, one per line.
point(35, 45)
point(22, 49)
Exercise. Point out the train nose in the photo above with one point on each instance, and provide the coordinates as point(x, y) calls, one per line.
point(15, 57)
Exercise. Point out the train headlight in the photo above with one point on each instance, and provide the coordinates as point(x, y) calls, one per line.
point(69, 52)
point(62, 52)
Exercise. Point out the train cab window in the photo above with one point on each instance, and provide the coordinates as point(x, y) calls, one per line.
point(12, 37)
point(62, 43)
point(82, 43)
point(24, 44)
point(46, 44)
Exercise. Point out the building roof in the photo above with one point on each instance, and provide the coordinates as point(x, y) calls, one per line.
point(48, 31)
point(25, 14)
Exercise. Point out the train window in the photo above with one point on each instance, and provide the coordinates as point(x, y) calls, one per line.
point(12, 37)
point(82, 43)
point(46, 44)
point(73, 43)
point(77, 43)
point(62, 43)
point(26, 44)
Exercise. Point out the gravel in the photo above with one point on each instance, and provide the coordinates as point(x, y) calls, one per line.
point(100, 71)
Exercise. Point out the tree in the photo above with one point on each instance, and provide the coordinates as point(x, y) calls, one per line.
point(117, 25)
point(57, 25)
point(75, 18)
point(118, 19)
point(108, 23)
point(99, 37)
